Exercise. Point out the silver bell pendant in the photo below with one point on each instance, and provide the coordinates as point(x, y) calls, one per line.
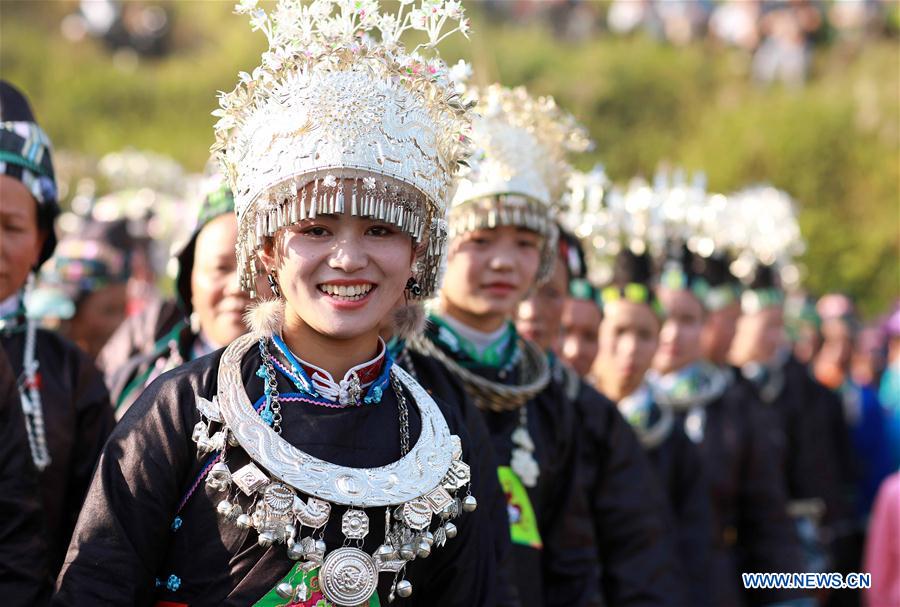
point(266, 539)
point(469, 503)
point(403, 589)
point(223, 507)
point(450, 530)
point(424, 550)
point(295, 551)
point(385, 552)
point(284, 590)
point(243, 522)
point(407, 552)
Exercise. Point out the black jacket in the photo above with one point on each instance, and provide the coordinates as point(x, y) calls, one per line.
point(752, 531)
point(562, 570)
point(142, 348)
point(684, 480)
point(125, 540)
point(77, 419)
point(24, 577)
point(627, 508)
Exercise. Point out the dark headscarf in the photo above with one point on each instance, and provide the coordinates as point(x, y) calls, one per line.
point(25, 154)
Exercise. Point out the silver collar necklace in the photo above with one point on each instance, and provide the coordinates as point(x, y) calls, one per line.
point(421, 492)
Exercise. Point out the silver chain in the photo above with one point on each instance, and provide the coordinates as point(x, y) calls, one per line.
point(404, 414)
point(495, 396)
point(272, 383)
point(32, 406)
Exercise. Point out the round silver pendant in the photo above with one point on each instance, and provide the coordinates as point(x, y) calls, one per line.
point(348, 577)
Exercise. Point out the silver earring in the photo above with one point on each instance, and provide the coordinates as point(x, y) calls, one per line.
point(273, 284)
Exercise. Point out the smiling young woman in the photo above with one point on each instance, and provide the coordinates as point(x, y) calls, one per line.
point(301, 465)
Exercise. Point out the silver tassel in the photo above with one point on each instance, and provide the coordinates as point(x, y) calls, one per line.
point(295, 209)
point(353, 209)
point(314, 200)
point(340, 198)
point(303, 204)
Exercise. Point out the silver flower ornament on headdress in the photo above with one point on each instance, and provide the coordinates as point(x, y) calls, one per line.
point(768, 233)
point(519, 167)
point(340, 117)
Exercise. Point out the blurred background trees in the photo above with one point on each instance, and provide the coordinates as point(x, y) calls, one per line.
point(657, 87)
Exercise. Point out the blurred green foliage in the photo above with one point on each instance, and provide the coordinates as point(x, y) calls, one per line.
point(834, 144)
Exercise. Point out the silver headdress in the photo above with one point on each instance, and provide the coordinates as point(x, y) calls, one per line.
point(769, 234)
point(519, 168)
point(334, 120)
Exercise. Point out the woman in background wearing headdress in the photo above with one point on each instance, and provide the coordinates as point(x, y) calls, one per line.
point(616, 475)
point(85, 285)
point(751, 528)
point(564, 315)
point(580, 326)
point(629, 333)
point(797, 410)
point(804, 327)
point(206, 314)
point(66, 405)
point(502, 247)
point(251, 476)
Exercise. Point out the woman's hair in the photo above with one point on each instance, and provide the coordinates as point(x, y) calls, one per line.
point(632, 268)
point(764, 277)
point(713, 269)
point(572, 254)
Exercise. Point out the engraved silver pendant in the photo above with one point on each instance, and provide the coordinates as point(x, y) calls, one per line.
point(219, 477)
point(417, 513)
point(279, 499)
point(312, 513)
point(458, 475)
point(438, 498)
point(250, 479)
point(355, 524)
point(348, 577)
point(209, 408)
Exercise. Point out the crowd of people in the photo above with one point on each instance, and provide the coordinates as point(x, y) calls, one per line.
point(414, 356)
point(779, 35)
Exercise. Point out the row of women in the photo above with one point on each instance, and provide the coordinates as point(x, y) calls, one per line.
point(359, 446)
